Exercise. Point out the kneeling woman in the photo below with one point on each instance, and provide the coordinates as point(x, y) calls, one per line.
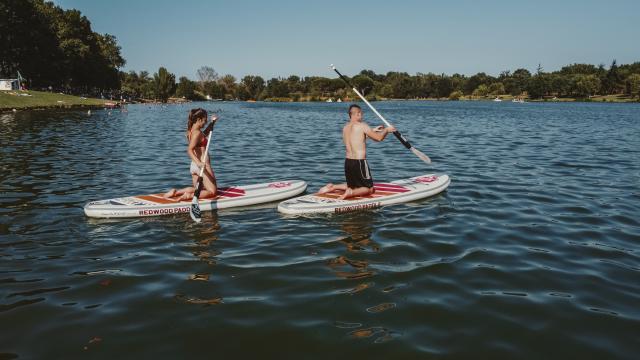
point(197, 137)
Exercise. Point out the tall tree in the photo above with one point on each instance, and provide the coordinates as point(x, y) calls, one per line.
point(253, 86)
point(363, 83)
point(165, 83)
point(613, 80)
point(633, 85)
point(186, 89)
point(52, 46)
point(229, 84)
point(206, 74)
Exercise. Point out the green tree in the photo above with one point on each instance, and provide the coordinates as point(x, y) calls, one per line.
point(363, 83)
point(228, 82)
point(458, 81)
point(294, 84)
point(475, 81)
point(538, 86)
point(253, 86)
point(165, 84)
point(496, 88)
point(277, 88)
point(586, 85)
point(186, 89)
point(52, 46)
point(521, 79)
point(456, 95)
point(28, 43)
point(214, 90)
point(320, 86)
point(481, 90)
point(584, 69)
point(444, 86)
point(511, 86)
point(401, 84)
point(372, 75)
point(129, 84)
point(633, 85)
point(425, 85)
point(613, 81)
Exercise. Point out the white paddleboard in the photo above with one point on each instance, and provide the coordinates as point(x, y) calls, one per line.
point(393, 192)
point(228, 197)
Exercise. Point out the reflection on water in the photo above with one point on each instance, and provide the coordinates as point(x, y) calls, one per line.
point(355, 265)
point(531, 253)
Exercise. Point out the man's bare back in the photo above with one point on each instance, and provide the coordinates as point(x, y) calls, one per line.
point(353, 136)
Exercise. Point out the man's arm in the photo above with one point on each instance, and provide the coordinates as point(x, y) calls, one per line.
point(378, 135)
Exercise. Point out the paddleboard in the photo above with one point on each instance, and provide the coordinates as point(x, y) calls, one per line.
point(386, 193)
point(228, 197)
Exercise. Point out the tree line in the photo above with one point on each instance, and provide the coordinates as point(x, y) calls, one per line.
point(574, 81)
point(57, 48)
point(53, 47)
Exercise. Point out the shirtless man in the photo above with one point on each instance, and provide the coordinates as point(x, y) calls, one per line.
point(356, 168)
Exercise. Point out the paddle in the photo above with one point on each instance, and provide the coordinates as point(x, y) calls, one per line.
point(195, 206)
point(400, 137)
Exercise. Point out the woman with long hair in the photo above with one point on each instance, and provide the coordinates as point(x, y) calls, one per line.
point(197, 135)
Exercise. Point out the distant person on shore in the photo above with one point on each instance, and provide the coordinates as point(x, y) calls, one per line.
point(197, 137)
point(356, 168)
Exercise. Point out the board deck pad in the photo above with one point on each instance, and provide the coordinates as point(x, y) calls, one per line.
point(227, 197)
point(386, 193)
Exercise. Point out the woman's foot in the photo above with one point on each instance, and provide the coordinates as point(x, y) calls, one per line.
point(186, 196)
point(169, 194)
point(326, 189)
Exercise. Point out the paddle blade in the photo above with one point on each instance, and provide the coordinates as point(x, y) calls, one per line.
point(195, 213)
point(422, 156)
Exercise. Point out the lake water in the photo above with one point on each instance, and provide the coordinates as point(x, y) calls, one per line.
point(533, 252)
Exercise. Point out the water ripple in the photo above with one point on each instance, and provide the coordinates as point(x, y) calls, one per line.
point(531, 253)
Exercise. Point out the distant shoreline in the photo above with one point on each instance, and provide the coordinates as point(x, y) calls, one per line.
point(53, 101)
point(503, 98)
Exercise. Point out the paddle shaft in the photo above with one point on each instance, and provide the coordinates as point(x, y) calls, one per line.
point(397, 133)
point(204, 158)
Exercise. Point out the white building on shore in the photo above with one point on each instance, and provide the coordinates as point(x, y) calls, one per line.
point(9, 84)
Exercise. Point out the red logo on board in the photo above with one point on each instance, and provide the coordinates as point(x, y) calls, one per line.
point(426, 179)
point(278, 185)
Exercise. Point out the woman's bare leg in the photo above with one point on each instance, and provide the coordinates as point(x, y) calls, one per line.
point(209, 182)
point(169, 194)
point(177, 192)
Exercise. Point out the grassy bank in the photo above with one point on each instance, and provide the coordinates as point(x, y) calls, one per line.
point(21, 100)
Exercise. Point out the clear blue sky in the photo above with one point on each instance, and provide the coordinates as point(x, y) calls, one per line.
point(281, 38)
